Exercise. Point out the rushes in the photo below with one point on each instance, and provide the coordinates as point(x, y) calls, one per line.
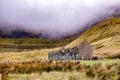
point(104, 71)
point(38, 66)
point(99, 71)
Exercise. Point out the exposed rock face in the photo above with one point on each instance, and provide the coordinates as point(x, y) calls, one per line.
point(81, 51)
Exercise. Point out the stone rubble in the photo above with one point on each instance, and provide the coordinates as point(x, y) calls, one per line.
point(83, 51)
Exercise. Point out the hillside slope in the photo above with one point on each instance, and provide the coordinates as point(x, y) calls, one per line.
point(28, 44)
point(104, 36)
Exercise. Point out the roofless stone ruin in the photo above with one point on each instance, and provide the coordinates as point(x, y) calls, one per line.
point(83, 51)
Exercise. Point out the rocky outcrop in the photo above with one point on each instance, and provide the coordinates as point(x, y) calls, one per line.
point(79, 52)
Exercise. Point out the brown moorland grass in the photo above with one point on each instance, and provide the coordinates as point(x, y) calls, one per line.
point(102, 30)
point(101, 71)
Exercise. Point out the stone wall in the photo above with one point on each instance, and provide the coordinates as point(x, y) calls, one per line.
point(81, 51)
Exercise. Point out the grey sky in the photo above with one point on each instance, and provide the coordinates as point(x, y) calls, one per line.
point(55, 17)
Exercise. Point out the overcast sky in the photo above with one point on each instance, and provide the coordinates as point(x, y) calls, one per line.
point(55, 17)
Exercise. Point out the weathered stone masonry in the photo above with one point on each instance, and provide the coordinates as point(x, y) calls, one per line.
point(79, 52)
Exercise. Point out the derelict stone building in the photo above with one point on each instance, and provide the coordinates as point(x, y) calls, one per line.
point(79, 52)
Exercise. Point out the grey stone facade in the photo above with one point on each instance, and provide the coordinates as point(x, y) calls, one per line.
point(80, 52)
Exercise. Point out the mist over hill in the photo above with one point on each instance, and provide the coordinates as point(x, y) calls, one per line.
point(5, 32)
point(52, 19)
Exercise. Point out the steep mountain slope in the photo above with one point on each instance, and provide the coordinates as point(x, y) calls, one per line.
point(104, 36)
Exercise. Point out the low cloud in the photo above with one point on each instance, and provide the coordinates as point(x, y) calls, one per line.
point(55, 18)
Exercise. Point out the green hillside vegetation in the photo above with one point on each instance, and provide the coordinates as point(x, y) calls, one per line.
point(28, 44)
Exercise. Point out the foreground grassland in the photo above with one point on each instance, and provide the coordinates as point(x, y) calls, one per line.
point(61, 70)
point(50, 76)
